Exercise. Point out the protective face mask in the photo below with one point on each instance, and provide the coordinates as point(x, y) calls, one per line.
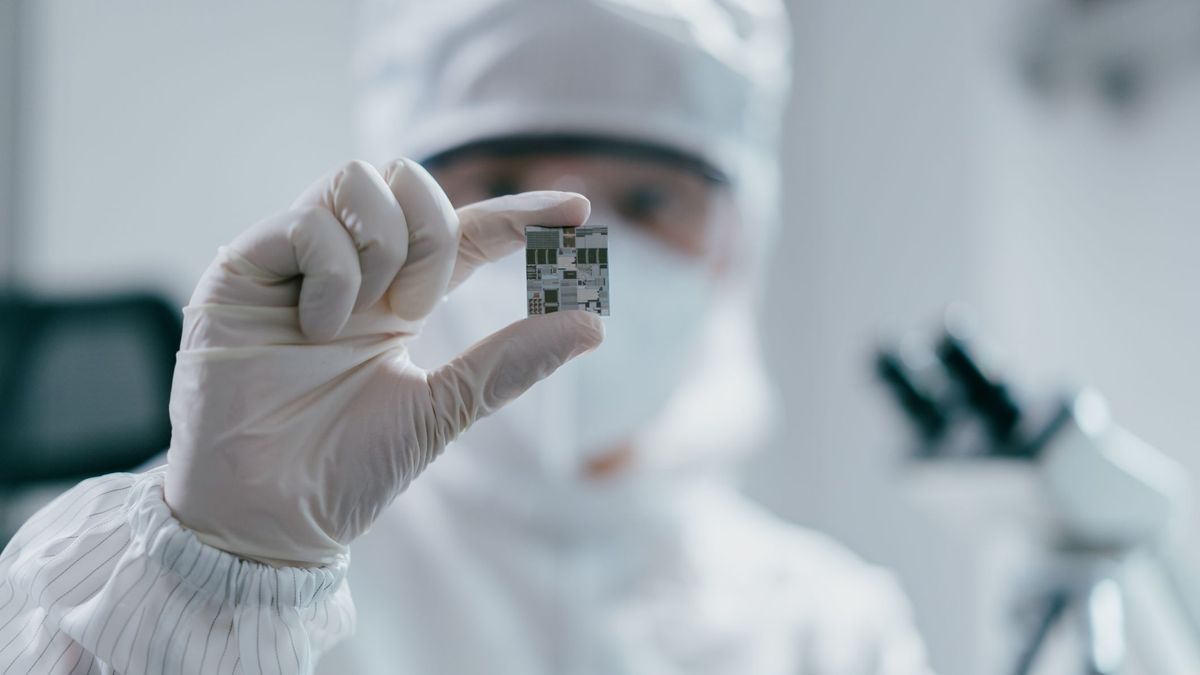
point(659, 299)
point(586, 409)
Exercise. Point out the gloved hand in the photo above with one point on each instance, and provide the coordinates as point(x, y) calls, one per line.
point(296, 413)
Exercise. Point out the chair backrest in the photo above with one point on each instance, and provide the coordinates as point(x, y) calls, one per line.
point(84, 385)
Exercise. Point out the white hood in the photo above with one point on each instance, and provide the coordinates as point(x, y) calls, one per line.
point(705, 77)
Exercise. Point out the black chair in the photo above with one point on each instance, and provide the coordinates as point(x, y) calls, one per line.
point(84, 387)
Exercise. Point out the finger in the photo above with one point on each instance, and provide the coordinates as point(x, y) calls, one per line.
point(432, 240)
point(502, 366)
point(306, 242)
point(495, 228)
point(364, 205)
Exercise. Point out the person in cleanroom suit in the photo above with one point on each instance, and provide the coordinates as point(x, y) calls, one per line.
point(594, 525)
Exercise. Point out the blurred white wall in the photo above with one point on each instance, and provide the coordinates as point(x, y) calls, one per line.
point(883, 156)
point(10, 72)
point(1093, 222)
point(157, 131)
point(917, 175)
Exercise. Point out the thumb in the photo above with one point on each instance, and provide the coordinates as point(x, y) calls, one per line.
point(503, 365)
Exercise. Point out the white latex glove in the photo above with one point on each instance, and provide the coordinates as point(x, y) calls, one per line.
point(296, 413)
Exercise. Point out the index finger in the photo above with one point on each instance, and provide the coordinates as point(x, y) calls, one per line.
point(492, 229)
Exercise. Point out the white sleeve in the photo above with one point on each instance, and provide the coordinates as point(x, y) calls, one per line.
point(899, 647)
point(105, 580)
point(854, 616)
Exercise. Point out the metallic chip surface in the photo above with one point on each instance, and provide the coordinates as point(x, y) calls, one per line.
point(566, 268)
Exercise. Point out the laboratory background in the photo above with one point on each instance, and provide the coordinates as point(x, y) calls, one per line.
point(1037, 161)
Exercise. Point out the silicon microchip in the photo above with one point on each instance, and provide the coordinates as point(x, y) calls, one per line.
point(566, 268)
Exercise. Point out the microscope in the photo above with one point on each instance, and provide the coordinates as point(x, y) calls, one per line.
point(1104, 506)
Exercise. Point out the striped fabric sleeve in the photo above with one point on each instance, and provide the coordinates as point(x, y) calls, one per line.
point(105, 580)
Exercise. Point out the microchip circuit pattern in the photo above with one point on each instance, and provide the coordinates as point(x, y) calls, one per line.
point(566, 268)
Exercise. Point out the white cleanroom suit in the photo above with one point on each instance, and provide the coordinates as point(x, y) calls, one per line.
point(298, 414)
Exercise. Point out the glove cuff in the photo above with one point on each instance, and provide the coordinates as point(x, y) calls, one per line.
point(232, 579)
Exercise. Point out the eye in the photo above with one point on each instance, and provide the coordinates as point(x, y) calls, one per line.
point(644, 203)
point(500, 186)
